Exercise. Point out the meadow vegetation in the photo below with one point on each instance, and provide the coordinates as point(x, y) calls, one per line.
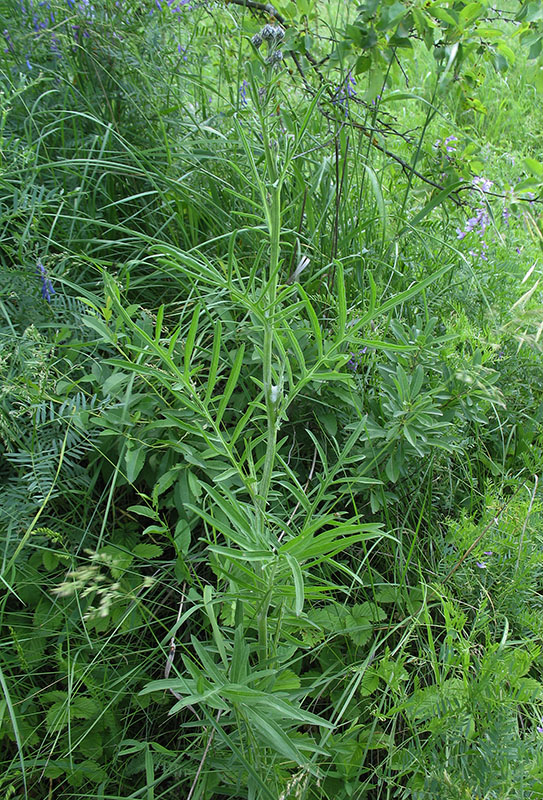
point(271, 400)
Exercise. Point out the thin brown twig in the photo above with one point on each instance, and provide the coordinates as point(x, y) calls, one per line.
point(167, 670)
point(265, 8)
point(171, 653)
point(204, 756)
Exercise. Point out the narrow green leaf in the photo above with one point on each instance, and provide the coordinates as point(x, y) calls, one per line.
point(144, 511)
point(173, 340)
point(312, 318)
point(341, 300)
point(231, 383)
point(217, 336)
point(373, 292)
point(298, 352)
point(217, 635)
point(275, 736)
point(134, 459)
point(100, 327)
point(298, 583)
point(15, 727)
point(149, 774)
point(378, 194)
point(158, 324)
point(240, 657)
point(191, 336)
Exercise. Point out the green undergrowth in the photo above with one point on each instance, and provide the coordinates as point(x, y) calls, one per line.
point(271, 407)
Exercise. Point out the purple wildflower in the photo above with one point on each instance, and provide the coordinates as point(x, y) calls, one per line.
point(481, 564)
point(482, 183)
point(243, 93)
point(344, 92)
point(9, 43)
point(356, 359)
point(487, 553)
point(47, 290)
point(477, 223)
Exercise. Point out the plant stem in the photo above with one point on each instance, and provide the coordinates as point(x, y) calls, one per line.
point(270, 392)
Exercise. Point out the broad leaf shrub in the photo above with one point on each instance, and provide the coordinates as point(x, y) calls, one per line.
point(270, 414)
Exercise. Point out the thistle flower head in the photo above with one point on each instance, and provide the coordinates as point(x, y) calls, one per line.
point(275, 58)
point(268, 33)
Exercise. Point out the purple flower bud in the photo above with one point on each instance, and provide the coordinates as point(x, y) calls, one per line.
point(243, 93)
point(47, 290)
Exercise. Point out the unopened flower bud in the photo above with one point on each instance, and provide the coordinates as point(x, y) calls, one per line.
point(257, 40)
point(268, 33)
point(275, 58)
